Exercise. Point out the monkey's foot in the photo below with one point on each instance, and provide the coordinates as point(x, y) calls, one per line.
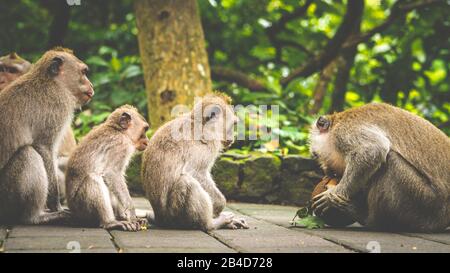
point(332, 199)
point(238, 223)
point(223, 220)
point(123, 225)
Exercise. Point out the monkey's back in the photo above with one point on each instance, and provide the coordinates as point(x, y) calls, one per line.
point(414, 138)
point(160, 166)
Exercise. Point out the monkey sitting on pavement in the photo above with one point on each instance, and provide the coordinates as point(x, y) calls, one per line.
point(394, 168)
point(176, 168)
point(37, 109)
point(11, 67)
point(97, 193)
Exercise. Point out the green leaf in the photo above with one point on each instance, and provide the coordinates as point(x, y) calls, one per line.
point(131, 71)
point(97, 61)
point(311, 222)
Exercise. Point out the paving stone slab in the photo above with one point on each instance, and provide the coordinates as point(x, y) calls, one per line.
point(266, 237)
point(166, 240)
point(2, 233)
point(95, 250)
point(177, 250)
point(56, 231)
point(355, 237)
point(58, 243)
point(442, 237)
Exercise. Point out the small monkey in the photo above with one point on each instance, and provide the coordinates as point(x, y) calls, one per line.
point(97, 193)
point(12, 67)
point(393, 166)
point(176, 168)
point(36, 109)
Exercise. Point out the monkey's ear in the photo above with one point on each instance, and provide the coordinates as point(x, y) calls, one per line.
point(13, 55)
point(125, 120)
point(211, 113)
point(55, 66)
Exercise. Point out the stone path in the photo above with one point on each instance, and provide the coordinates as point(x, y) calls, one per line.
point(269, 231)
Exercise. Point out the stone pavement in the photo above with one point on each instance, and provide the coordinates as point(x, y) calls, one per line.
point(269, 231)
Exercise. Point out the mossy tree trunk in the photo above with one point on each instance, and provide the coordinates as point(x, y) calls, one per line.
point(173, 54)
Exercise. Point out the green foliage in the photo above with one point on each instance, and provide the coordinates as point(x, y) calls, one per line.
point(406, 65)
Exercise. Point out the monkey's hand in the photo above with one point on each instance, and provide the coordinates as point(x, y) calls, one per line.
point(238, 223)
point(331, 198)
point(142, 221)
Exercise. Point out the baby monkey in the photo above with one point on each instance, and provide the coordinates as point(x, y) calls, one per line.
point(97, 193)
point(176, 168)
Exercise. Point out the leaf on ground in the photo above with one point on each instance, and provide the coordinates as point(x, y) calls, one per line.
point(310, 222)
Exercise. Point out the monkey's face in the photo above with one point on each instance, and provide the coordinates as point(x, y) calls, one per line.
point(12, 67)
point(73, 75)
point(8, 73)
point(219, 121)
point(133, 125)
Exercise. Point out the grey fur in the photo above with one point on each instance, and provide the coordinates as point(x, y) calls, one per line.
point(394, 168)
point(36, 108)
point(97, 192)
point(176, 172)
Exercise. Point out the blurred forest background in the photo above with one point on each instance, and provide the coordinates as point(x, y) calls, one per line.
point(308, 57)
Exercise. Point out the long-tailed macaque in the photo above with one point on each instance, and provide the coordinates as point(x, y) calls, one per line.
point(393, 168)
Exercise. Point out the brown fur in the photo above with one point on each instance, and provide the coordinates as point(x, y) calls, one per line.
point(68, 144)
point(97, 192)
point(37, 108)
point(11, 67)
point(176, 172)
point(395, 167)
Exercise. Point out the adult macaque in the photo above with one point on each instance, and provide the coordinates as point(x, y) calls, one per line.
point(97, 192)
point(176, 168)
point(12, 67)
point(394, 168)
point(37, 109)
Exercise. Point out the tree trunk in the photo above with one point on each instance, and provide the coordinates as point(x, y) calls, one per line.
point(345, 64)
point(320, 90)
point(173, 55)
point(60, 11)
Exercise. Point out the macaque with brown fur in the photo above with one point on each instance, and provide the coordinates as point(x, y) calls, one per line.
point(393, 166)
point(11, 67)
point(97, 193)
point(37, 109)
point(176, 168)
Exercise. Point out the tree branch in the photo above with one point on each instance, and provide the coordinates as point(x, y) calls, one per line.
point(277, 26)
point(397, 11)
point(355, 9)
point(238, 77)
point(288, 16)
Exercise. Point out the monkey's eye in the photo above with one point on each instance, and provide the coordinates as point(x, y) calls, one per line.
point(85, 71)
point(323, 124)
